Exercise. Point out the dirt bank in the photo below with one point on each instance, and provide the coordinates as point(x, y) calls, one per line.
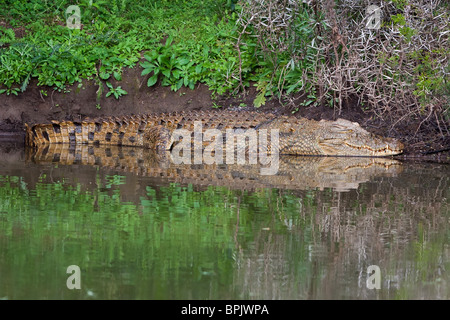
point(40, 104)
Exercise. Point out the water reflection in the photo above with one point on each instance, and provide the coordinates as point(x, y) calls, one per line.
point(138, 235)
point(339, 173)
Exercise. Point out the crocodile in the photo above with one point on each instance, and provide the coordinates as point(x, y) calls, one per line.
point(297, 136)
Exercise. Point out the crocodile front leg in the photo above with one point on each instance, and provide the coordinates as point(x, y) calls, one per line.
point(157, 138)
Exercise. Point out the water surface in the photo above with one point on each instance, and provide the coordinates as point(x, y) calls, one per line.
point(137, 230)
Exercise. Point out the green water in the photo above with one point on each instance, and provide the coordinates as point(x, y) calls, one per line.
point(137, 237)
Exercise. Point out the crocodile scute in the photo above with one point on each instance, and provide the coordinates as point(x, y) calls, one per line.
point(297, 136)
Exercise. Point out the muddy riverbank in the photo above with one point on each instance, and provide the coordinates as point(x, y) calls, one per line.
point(40, 104)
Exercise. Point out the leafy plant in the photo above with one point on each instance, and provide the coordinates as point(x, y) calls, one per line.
point(174, 70)
point(260, 99)
point(9, 91)
point(6, 36)
point(117, 92)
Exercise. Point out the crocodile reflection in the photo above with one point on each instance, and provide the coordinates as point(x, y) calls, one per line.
point(339, 173)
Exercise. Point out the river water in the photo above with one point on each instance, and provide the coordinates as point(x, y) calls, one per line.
point(138, 227)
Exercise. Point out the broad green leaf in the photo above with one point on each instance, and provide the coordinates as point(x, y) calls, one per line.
point(183, 61)
point(179, 84)
point(293, 87)
point(152, 80)
point(146, 71)
point(166, 73)
point(169, 41)
point(149, 58)
point(147, 64)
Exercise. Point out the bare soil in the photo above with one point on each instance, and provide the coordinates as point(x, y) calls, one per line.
point(40, 105)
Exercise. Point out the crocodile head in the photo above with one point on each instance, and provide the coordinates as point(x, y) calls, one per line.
point(346, 138)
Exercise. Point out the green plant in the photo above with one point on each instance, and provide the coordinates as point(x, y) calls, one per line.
point(117, 92)
point(6, 36)
point(173, 69)
point(9, 91)
point(108, 42)
point(260, 99)
point(58, 56)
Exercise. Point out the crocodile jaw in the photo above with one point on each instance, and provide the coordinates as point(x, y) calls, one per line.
point(345, 138)
point(337, 147)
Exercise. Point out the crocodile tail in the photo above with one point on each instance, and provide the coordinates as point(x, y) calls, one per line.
point(37, 134)
point(127, 131)
point(55, 132)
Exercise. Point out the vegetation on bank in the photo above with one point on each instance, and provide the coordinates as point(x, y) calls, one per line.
point(302, 52)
